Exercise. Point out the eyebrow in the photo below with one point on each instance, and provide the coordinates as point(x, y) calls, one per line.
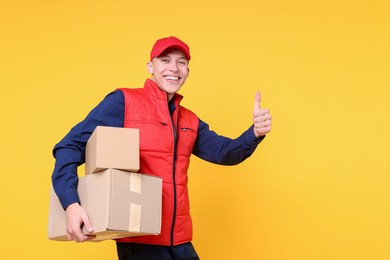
point(169, 56)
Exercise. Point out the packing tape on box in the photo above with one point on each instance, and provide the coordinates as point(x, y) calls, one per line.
point(135, 182)
point(135, 218)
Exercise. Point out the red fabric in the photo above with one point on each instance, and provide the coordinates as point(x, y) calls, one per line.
point(169, 42)
point(147, 109)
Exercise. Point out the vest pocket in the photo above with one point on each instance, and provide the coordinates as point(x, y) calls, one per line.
point(187, 129)
point(186, 140)
point(146, 121)
point(155, 135)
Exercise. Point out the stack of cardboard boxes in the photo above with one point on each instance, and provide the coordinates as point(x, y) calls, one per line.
point(119, 201)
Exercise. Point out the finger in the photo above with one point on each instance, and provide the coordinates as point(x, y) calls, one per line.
point(89, 237)
point(261, 116)
point(72, 237)
point(261, 112)
point(85, 238)
point(257, 102)
point(88, 224)
point(263, 131)
point(76, 234)
point(259, 125)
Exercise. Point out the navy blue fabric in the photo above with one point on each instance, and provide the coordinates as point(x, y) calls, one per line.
point(132, 251)
point(70, 151)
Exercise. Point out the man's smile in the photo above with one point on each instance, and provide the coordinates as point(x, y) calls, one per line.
point(176, 78)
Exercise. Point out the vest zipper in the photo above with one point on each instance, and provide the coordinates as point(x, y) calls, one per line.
point(174, 177)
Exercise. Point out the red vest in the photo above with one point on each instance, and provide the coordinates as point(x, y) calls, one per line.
point(166, 145)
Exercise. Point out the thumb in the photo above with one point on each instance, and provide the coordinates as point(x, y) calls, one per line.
point(88, 224)
point(257, 101)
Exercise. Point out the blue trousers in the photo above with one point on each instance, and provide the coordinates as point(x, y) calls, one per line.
point(133, 251)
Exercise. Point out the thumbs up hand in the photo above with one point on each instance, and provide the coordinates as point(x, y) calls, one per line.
point(262, 119)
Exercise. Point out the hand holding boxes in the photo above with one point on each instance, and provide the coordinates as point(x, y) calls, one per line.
point(120, 202)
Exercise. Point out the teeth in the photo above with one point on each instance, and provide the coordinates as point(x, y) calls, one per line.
point(172, 78)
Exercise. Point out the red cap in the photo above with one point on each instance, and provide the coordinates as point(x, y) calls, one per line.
point(169, 42)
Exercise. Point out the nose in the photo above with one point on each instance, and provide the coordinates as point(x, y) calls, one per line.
point(173, 66)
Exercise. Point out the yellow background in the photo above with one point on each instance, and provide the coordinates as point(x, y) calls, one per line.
point(316, 188)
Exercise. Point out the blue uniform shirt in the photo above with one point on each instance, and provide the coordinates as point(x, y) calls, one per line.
point(70, 151)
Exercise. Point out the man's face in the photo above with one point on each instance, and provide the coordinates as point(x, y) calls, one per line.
point(169, 71)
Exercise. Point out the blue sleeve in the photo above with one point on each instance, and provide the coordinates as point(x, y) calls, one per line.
point(222, 150)
point(70, 151)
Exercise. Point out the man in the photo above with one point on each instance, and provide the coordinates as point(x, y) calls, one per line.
point(170, 133)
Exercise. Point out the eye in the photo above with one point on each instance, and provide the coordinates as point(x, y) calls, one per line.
point(182, 62)
point(164, 60)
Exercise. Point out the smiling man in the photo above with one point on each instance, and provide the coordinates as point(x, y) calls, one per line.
point(174, 134)
point(169, 70)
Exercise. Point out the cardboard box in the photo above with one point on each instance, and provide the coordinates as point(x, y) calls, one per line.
point(119, 204)
point(112, 147)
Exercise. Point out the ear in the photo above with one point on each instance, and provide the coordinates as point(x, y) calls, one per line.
point(149, 67)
